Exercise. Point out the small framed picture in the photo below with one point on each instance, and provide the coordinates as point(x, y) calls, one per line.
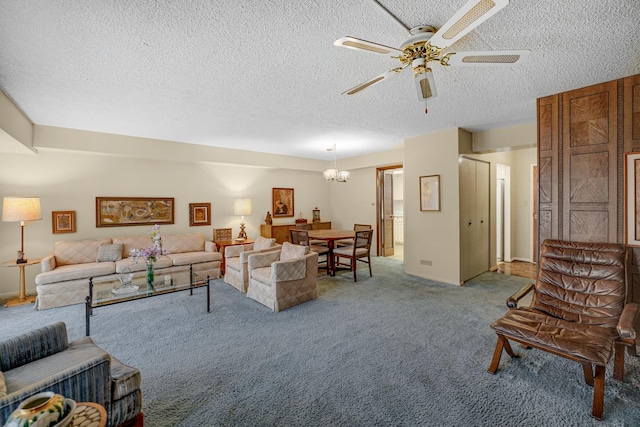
point(199, 214)
point(63, 221)
point(282, 202)
point(430, 193)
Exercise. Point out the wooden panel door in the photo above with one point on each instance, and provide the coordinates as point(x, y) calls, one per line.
point(589, 152)
point(631, 105)
point(548, 169)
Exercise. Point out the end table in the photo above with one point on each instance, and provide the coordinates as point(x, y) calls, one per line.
point(22, 295)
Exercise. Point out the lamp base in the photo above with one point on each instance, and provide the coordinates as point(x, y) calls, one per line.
point(21, 259)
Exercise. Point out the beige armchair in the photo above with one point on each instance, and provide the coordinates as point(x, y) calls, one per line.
point(237, 257)
point(284, 278)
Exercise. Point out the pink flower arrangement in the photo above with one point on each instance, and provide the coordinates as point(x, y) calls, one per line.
point(151, 254)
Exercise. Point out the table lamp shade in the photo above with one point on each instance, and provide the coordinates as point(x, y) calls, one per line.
point(242, 207)
point(21, 209)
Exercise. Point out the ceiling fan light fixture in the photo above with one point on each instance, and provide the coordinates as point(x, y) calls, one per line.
point(425, 85)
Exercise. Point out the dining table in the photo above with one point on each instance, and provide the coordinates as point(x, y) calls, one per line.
point(330, 236)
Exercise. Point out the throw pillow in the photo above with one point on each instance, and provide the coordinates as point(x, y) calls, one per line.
point(290, 251)
point(262, 243)
point(112, 252)
point(3, 386)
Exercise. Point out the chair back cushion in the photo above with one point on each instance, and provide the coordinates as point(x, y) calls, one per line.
point(581, 282)
point(290, 251)
point(262, 243)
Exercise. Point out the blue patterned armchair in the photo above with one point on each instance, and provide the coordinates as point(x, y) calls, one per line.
point(44, 360)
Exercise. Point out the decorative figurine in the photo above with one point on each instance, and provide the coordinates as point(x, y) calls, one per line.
point(268, 220)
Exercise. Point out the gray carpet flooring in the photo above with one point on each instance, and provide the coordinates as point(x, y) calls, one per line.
point(391, 350)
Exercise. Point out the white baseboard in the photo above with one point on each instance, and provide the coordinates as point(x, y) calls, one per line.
point(515, 258)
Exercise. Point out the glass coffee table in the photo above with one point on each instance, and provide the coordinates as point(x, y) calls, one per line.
point(112, 291)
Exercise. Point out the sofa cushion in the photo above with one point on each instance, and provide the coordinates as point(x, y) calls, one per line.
point(110, 252)
point(133, 242)
point(162, 262)
point(80, 356)
point(76, 271)
point(194, 257)
point(262, 275)
point(79, 252)
point(3, 386)
point(180, 243)
point(290, 251)
point(262, 243)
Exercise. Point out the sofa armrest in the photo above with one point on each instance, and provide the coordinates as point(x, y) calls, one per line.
point(626, 323)
point(209, 246)
point(512, 301)
point(244, 256)
point(48, 263)
point(236, 250)
point(291, 269)
point(33, 345)
point(263, 259)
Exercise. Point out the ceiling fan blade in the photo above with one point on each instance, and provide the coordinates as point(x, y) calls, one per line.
point(359, 44)
point(472, 14)
point(487, 58)
point(377, 79)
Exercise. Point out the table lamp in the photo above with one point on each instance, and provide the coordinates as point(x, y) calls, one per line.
point(242, 207)
point(21, 209)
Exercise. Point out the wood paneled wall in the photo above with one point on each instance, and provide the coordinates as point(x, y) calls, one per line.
point(582, 137)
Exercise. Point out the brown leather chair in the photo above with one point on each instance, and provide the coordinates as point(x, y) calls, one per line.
point(578, 311)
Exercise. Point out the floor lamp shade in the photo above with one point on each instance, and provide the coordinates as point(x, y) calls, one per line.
point(21, 209)
point(242, 207)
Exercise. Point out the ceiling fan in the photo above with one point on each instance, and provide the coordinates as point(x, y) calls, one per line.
point(426, 44)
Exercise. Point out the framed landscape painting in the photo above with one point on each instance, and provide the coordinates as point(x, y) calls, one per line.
point(123, 211)
point(282, 202)
point(632, 199)
point(430, 193)
point(63, 221)
point(199, 214)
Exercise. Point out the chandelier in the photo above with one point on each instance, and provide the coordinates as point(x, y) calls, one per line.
point(333, 174)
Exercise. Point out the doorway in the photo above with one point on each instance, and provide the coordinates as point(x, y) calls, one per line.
point(503, 213)
point(390, 212)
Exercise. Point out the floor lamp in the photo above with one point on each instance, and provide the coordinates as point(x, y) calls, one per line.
point(242, 207)
point(21, 209)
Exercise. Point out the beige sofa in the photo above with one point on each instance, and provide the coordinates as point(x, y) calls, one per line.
point(64, 275)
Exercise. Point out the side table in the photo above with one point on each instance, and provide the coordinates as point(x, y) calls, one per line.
point(221, 244)
point(22, 295)
point(89, 414)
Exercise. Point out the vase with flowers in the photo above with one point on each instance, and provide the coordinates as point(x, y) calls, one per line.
point(150, 254)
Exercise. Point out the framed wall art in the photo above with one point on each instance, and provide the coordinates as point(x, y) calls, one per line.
point(282, 202)
point(123, 211)
point(63, 221)
point(199, 214)
point(430, 193)
point(632, 199)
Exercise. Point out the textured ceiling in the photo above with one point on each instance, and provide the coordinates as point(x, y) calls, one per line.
point(265, 76)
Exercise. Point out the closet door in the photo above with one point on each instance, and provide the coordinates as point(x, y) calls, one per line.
point(474, 218)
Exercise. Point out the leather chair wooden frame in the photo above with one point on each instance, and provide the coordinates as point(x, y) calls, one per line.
point(578, 311)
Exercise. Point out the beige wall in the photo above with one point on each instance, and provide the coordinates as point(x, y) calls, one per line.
point(432, 236)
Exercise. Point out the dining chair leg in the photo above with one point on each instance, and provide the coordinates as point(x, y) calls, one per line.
point(354, 267)
point(369, 261)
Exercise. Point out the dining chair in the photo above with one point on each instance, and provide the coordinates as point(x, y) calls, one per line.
point(308, 227)
point(349, 242)
point(357, 252)
point(301, 237)
point(222, 234)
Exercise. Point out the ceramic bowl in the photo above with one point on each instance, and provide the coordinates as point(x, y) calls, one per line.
point(44, 409)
